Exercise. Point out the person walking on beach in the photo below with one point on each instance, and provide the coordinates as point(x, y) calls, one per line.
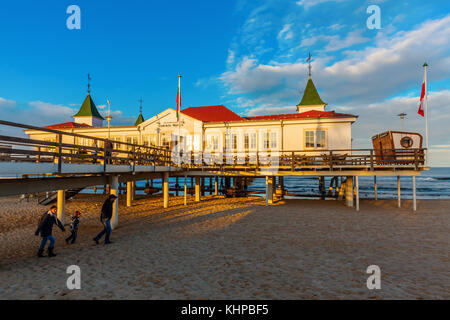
point(74, 227)
point(105, 218)
point(45, 228)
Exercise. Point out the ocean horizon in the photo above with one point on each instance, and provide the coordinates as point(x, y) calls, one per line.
point(431, 184)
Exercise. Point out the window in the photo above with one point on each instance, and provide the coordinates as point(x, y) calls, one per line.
point(196, 142)
point(320, 139)
point(189, 142)
point(265, 140)
point(116, 145)
point(212, 143)
point(273, 140)
point(253, 141)
point(234, 141)
point(228, 140)
point(315, 139)
point(246, 141)
point(309, 139)
point(131, 140)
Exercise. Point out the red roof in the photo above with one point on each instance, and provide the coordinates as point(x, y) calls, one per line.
point(304, 115)
point(67, 125)
point(212, 114)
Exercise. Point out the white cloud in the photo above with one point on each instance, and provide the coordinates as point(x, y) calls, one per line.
point(335, 43)
point(310, 3)
point(286, 33)
point(391, 65)
point(231, 56)
point(46, 109)
point(6, 103)
point(382, 116)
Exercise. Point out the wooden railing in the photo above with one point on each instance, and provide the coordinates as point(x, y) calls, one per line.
point(368, 159)
point(20, 149)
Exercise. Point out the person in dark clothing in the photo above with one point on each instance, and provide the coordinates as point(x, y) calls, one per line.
point(105, 218)
point(74, 227)
point(45, 228)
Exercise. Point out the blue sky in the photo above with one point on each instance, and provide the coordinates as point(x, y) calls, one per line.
point(247, 55)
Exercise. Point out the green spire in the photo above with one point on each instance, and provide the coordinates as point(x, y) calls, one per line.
point(88, 109)
point(139, 120)
point(310, 96)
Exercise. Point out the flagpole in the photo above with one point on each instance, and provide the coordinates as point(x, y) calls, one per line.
point(179, 114)
point(425, 65)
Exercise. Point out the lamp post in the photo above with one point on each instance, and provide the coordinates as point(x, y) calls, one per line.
point(157, 135)
point(402, 117)
point(108, 118)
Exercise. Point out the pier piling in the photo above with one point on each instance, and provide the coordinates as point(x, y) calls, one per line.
point(185, 190)
point(375, 187)
point(349, 191)
point(197, 189)
point(166, 189)
point(61, 203)
point(357, 193)
point(114, 189)
point(129, 193)
point(216, 185)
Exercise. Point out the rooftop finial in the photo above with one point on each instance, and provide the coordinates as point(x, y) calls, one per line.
point(140, 105)
point(89, 83)
point(309, 64)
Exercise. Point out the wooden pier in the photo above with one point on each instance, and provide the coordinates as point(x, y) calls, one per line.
point(31, 166)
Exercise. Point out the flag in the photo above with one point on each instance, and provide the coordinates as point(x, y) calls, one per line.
point(178, 100)
point(309, 58)
point(422, 96)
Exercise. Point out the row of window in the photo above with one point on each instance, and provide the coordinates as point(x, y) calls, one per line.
point(313, 139)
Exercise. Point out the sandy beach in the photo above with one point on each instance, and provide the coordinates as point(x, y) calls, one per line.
point(232, 249)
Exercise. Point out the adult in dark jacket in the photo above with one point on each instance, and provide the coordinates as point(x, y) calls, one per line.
point(45, 228)
point(105, 219)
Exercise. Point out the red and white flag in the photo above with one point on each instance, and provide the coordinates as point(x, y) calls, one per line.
point(178, 99)
point(422, 95)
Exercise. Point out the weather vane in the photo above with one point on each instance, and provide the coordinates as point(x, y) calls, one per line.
point(140, 105)
point(89, 84)
point(309, 64)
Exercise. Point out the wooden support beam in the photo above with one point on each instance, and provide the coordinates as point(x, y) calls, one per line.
point(166, 189)
point(216, 185)
point(185, 190)
point(269, 190)
point(342, 189)
point(414, 193)
point(357, 193)
point(399, 200)
point(129, 193)
point(61, 203)
point(115, 190)
point(375, 187)
point(349, 191)
point(197, 189)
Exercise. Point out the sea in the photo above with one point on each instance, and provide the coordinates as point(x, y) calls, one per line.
point(431, 184)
